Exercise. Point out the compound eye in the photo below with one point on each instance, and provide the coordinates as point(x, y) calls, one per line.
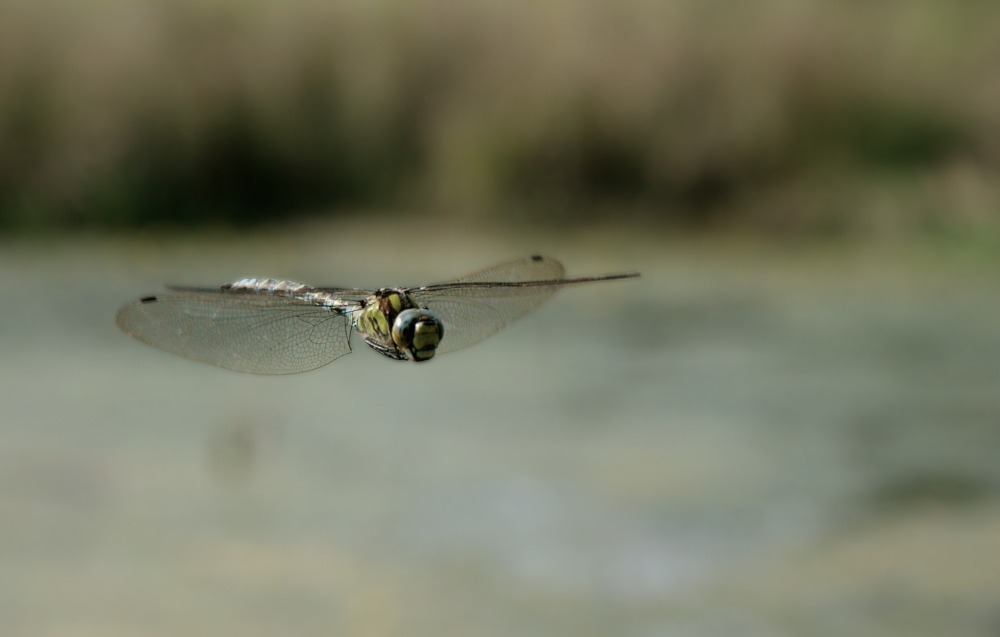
point(418, 333)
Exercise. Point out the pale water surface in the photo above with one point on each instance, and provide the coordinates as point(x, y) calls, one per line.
point(742, 442)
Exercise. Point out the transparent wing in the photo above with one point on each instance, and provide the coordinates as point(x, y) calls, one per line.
point(534, 268)
point(473, 312)
point(259, 334)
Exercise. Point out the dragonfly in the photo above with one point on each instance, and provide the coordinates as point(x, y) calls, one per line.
point(272, 326)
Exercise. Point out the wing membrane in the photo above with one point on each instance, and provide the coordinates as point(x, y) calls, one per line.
point(259, 334)
point(472, 309)
point(482, 303)
point(533, 268)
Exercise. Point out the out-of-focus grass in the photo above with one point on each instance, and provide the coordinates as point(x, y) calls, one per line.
point(804, 116)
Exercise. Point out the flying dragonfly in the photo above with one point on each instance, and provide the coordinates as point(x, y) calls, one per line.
point(269, 326)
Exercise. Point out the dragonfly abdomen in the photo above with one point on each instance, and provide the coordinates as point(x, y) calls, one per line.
point(300, 291)
point(269, 286)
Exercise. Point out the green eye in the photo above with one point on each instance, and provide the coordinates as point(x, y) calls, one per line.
point(418, 333)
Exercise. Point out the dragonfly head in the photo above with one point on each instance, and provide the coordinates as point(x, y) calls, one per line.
point(417, 332)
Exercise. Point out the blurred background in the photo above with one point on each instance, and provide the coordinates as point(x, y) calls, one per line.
point(788, 426)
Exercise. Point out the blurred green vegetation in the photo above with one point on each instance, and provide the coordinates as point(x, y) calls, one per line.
point(806, 116)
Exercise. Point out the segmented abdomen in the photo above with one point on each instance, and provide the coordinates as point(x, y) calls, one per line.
point(299, 291)
point(269, 286)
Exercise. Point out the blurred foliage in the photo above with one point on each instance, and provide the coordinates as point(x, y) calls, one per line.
point(812, 116)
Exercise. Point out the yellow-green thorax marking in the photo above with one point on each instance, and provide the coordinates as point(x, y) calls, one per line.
point(393, 325)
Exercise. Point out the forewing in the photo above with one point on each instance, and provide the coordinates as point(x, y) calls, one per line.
point(533, 268)
point(472, 313)
point(259, 334)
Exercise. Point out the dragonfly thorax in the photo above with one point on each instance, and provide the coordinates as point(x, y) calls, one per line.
point(393, 325)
